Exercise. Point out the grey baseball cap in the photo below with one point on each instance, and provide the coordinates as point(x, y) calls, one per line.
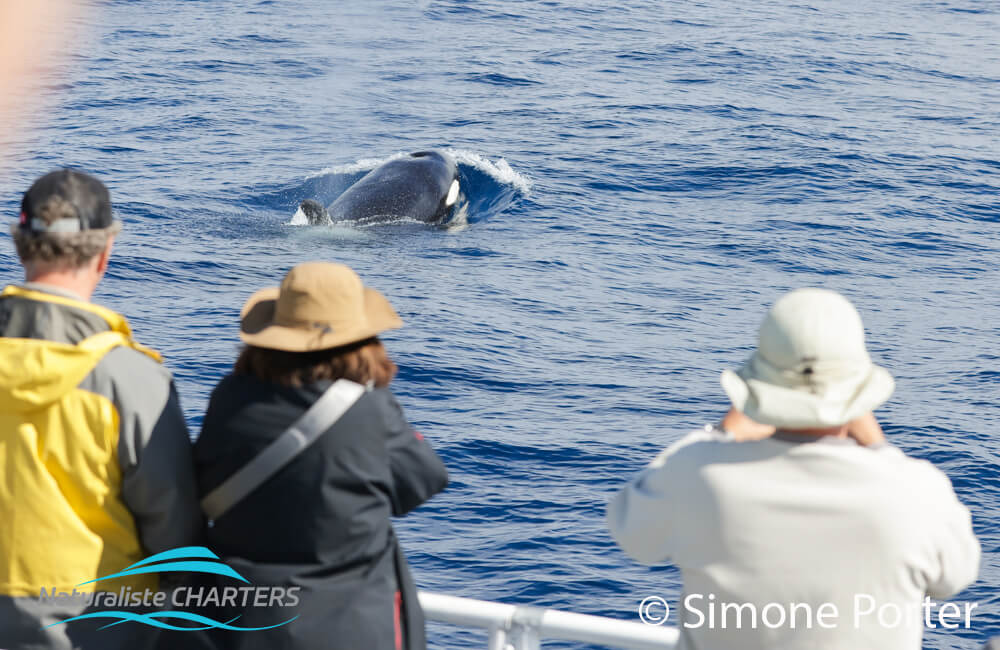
point(65, 201)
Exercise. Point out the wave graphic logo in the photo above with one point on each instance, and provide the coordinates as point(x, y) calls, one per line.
point(189, 559)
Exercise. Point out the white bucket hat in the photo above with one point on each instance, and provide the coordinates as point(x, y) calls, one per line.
point(811, 368)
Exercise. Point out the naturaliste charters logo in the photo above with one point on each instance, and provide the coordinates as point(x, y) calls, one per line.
point(188, 559)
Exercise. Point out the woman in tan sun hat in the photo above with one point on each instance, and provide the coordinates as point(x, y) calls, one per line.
point(316, 518)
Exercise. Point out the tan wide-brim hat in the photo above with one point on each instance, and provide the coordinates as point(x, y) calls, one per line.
point(319, 305)
point(811, 368)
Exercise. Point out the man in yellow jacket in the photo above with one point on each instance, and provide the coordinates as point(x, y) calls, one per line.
point(95, 454)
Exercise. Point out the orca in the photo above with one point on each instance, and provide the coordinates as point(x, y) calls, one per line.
point(422, 186)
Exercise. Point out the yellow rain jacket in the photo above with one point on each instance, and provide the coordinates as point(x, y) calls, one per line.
point(66, 516)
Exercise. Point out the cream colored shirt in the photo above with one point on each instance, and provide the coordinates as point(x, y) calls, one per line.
point(831, 538)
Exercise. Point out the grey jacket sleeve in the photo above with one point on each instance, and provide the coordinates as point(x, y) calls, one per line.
point(417, 471)
point(154, 449)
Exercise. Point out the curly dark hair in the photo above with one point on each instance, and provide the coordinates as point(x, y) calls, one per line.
point(360, 362)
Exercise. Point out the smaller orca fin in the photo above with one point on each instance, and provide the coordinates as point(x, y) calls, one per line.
point(315, 212)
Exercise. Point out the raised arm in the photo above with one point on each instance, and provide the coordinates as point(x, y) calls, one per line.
point(417, 471)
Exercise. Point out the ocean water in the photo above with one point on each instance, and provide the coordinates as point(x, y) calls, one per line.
point(641, 182)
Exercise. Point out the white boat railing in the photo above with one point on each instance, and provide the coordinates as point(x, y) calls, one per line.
point(522, 627)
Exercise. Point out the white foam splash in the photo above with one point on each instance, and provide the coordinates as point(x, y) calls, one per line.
point(332, 232)
point(499, 170)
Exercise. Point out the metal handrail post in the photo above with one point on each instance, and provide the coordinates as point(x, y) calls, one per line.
point(497, 639)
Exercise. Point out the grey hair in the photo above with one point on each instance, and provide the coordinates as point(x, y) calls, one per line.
point(72, 249)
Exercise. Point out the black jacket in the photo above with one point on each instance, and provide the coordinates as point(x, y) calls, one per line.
point(322, 522)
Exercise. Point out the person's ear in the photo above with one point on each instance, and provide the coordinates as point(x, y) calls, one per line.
point(104, 257)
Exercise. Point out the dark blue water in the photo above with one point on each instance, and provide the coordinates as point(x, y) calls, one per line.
point(642, 181)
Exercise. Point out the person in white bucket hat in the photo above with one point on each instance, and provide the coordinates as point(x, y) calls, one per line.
point(794, 524)
point(811, 368)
